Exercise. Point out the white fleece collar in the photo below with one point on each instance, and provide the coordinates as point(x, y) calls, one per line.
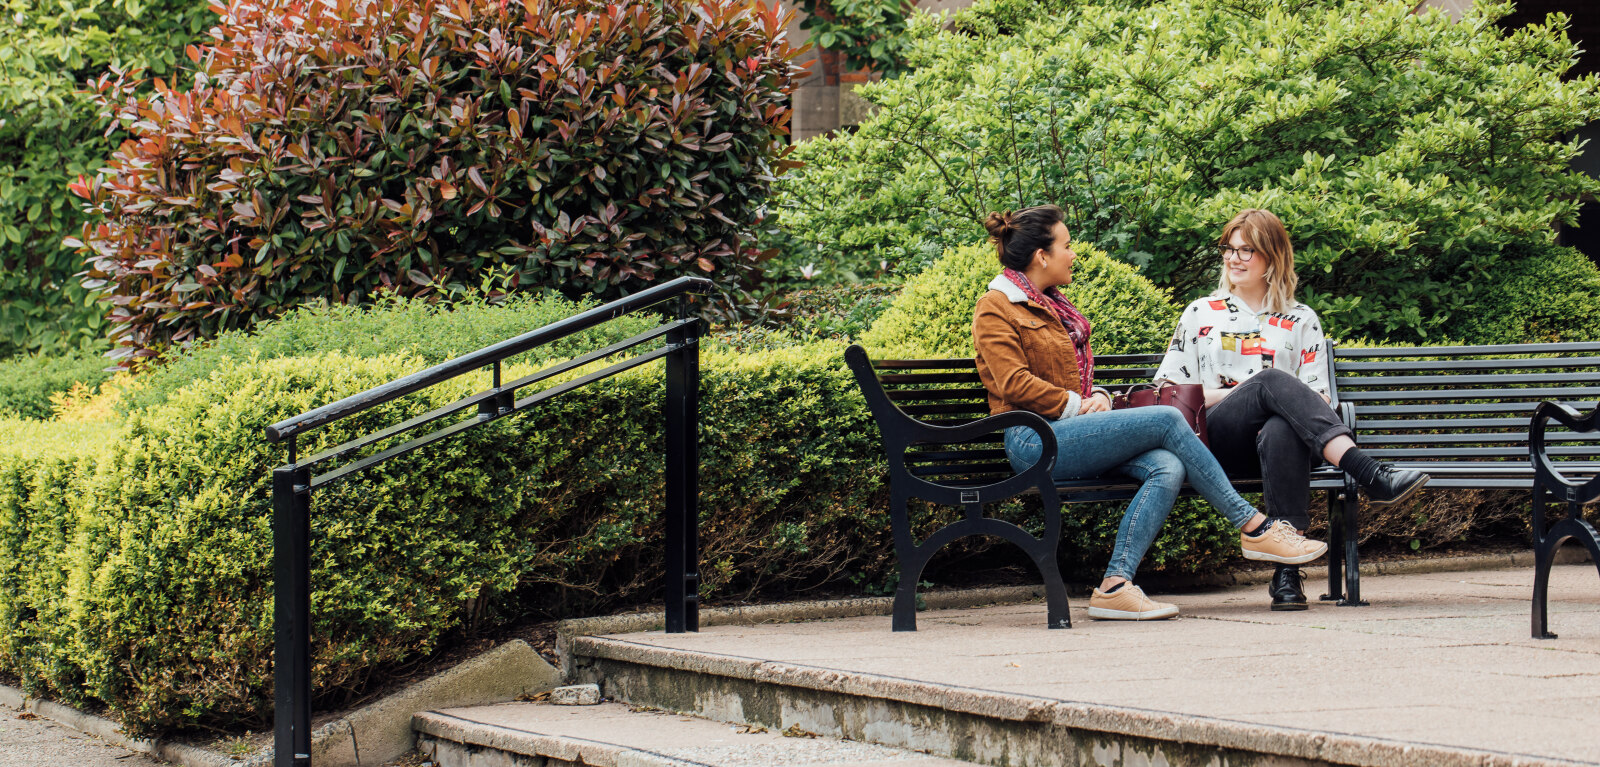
point(1009, 288)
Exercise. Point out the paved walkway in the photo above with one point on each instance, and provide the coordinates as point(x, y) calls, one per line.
point(1442, 659)
point(27, 740)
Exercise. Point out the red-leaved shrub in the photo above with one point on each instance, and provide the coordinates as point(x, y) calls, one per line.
point(327, 149)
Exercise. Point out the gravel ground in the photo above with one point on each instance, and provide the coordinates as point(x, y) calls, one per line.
point(28, 740)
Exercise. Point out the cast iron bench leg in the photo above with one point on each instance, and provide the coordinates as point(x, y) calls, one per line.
point(1352, 534)
point(1335, 544)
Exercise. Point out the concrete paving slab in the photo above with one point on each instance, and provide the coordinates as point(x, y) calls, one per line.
point(1439, 660)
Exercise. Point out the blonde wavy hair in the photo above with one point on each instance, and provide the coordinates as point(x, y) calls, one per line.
point(1264, 232)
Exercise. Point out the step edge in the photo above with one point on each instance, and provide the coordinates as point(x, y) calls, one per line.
point(461, 730)
point(1339, 748)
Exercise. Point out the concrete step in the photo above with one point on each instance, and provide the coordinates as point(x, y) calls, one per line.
point(618, 735)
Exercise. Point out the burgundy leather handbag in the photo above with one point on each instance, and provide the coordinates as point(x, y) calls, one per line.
point(1189, 399)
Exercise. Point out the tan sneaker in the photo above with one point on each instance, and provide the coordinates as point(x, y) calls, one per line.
point(1281, 543)
point(1128, 604)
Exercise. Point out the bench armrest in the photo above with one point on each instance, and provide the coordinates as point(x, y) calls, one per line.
point(901, 431)
point(1545, 471)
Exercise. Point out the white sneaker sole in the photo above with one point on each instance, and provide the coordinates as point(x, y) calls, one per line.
point(1261, 556)
point(1107, 614)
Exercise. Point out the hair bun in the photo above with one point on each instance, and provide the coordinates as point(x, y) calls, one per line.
point(999, 225)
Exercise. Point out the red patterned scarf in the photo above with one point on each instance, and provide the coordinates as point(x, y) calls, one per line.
point(1077, 325)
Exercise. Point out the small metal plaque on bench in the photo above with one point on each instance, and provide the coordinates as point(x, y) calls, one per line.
point(969, 496)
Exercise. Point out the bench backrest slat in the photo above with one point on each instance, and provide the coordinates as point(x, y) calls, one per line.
point(1560, 349)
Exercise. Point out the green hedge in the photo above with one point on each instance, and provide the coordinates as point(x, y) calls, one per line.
point(26, 382)
point(137, 561)
point(933, 315)
point(1548, 294)
point(430, 331)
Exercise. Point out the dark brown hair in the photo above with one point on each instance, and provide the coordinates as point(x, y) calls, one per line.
point(1017, 235)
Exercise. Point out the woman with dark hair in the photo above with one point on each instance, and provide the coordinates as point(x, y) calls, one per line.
point(1259, 353)
point(1034, 353)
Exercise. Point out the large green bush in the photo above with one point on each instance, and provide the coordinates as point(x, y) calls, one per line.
point(333, 150)
point(51, 131)
point(1411, 157)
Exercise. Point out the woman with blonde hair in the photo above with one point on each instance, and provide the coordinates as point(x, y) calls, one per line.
point(1034, 354)
point(1259, 354)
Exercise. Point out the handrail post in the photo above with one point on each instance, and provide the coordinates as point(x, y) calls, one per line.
point(682, 476)
point(291, 616)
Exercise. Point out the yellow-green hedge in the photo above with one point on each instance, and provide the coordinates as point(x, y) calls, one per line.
point(933, 315)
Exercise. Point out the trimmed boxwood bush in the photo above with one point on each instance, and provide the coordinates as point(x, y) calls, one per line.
point(431, 331)
point(27, 382)
point(136, 565)
point(333, 150)
point(933, 315)
point(1547, 294)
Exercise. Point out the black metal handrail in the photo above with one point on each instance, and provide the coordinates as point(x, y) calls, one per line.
point(292, 483)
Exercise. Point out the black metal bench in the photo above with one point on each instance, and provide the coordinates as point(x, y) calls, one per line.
point(1459, 413)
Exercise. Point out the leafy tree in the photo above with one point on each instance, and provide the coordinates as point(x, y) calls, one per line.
point(334, 150)
point(49, 131)
point(1409, 155)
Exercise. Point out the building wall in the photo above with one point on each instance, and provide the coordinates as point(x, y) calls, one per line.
point(824, 99)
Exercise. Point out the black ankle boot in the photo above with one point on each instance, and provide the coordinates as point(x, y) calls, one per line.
point(1285, 589)
point(1391, 485)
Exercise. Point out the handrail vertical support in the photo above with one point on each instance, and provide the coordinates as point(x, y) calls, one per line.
point(682, 476)
point(291, 616)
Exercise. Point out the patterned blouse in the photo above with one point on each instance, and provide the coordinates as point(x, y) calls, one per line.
point(1220, 343)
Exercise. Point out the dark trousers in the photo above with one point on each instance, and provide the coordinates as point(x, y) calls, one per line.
point(1274, 427)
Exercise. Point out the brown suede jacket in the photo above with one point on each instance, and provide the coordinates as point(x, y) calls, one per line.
point(1025, 356)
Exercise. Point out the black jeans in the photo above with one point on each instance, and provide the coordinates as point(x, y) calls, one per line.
point(1274, 427)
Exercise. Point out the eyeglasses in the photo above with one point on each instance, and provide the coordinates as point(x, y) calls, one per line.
point(1244, 254)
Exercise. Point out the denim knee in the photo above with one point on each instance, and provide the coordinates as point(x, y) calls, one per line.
point(1173, 417)
point(1163, 466)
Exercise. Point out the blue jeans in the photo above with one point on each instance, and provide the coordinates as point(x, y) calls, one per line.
point(1152, 445)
